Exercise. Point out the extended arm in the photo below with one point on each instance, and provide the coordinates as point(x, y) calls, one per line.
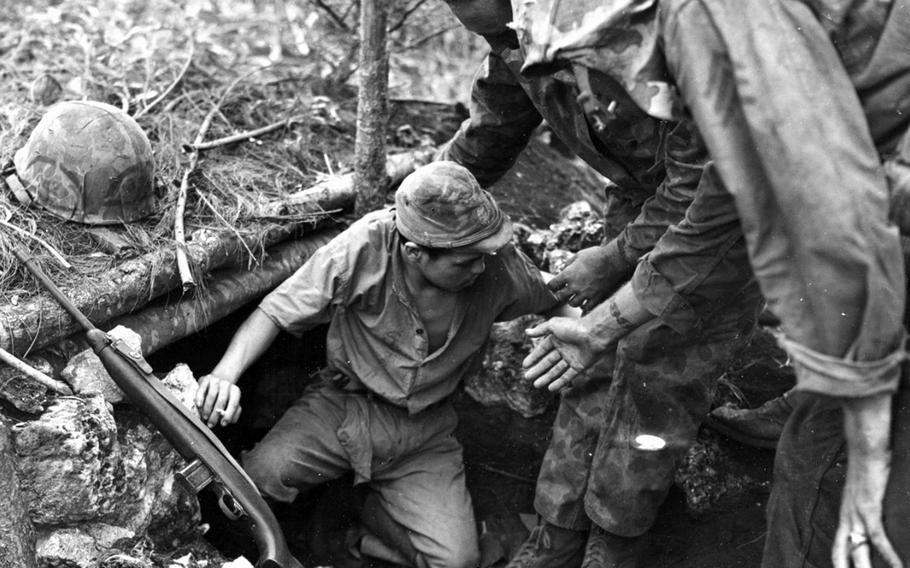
point(501, 123)
point(570, 346)
point(218, 396)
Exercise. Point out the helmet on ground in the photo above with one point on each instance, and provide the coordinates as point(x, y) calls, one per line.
point(89, 162)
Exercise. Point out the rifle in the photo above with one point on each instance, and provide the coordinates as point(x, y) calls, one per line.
point(209, 462)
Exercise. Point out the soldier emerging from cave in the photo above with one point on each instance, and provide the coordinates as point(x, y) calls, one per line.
point(410, 294)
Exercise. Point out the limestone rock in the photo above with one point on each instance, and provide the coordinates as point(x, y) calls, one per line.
point(67, 459)
point(500, 380)
point(22, 392)
point(182, 384)
point(67, 548)
point(80, 547)
point(580, 226)
point(85, 372)
point(17, 535)
point(78, 464)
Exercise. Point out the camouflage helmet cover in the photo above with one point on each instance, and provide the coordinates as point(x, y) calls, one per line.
point(89, 162)
point(615, 37)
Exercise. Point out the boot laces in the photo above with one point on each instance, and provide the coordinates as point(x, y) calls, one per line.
point(538, 540)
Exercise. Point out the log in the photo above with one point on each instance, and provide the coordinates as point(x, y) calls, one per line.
point(337, 192)
point(39, 322)
point(162, 323)
point(230, 289)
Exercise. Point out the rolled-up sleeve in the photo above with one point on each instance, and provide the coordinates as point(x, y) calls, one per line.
point(699, 264)
point(501, 123)
point(790, 141)
point(684, 158)
point(686, 241)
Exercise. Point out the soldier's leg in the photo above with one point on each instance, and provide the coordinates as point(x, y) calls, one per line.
point(560, 536)
point(419, 489)
point(563, 478)
point(662, 389)
point(809, 471)
point(302, 450)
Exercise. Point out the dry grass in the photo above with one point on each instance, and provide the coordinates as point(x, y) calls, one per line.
point(169, 63)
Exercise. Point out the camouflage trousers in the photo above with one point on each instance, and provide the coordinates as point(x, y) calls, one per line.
point(662, 385)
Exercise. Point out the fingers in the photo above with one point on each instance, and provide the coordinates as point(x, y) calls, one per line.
point(558, 377)
point(543, 364)
point(853, 548)
point(542, 348)
point(218, 401)
point(839, 550)
point(883, 546)
point(201, 391)
point(222, 396)
point(561, 289)
point(539, 330)
point(550, 371)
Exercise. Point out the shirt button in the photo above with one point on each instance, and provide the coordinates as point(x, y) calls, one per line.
point(419, 331)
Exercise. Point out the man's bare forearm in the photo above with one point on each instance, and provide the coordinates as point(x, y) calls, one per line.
point(250, 341)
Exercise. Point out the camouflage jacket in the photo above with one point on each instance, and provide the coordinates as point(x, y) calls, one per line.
point(687, 263)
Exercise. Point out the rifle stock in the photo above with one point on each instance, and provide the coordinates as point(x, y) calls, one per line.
point(192, 439)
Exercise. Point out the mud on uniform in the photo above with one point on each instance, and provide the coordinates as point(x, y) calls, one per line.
point(677, 226)
point(388, 416)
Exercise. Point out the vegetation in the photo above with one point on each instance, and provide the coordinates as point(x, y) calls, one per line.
point(203, 70)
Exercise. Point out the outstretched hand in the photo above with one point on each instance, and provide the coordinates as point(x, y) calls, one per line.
point(565, 352)
point(218, 401)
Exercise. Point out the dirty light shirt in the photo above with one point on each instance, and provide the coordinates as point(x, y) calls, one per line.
point(375, 337)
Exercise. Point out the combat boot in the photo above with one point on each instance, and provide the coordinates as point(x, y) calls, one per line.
point(549, 546)
point(607, 550)
point(759, 427)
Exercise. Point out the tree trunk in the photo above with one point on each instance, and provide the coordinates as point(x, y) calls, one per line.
point(370, 178)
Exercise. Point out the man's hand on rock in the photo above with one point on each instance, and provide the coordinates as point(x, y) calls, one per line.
point(218, 401)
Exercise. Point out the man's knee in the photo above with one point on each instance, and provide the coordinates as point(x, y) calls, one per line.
point(457, 547)
point(461, 556)
point(266, 467)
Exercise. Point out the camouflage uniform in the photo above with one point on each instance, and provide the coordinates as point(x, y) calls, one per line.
point(679, 231)
point(800, 104)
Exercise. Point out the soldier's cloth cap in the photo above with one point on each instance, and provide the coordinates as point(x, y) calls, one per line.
point(441, 205)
